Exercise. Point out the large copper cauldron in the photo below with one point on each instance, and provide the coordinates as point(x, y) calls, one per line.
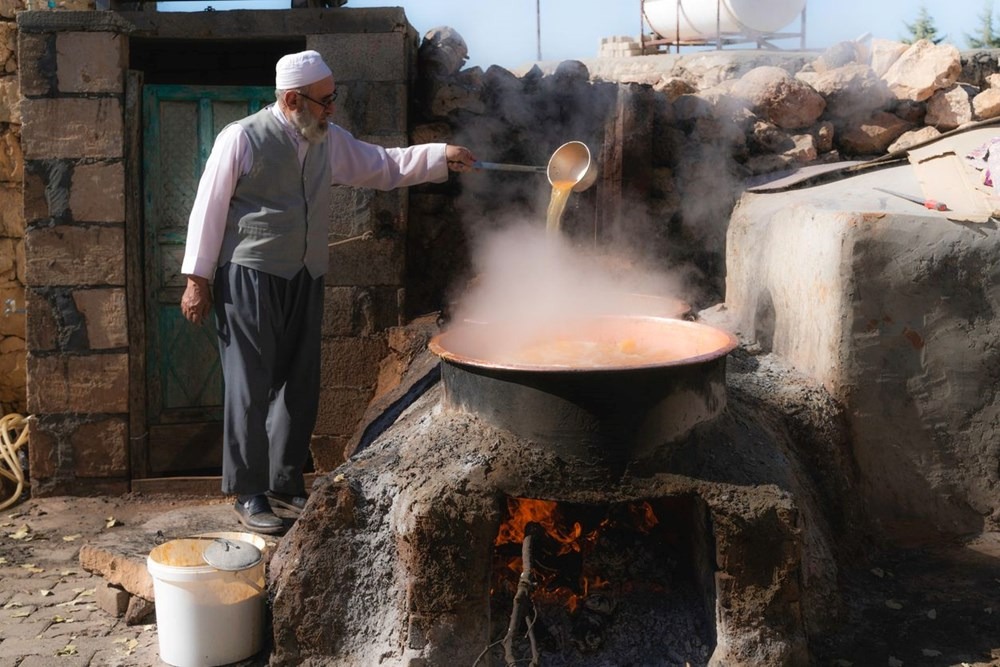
point(607, 391)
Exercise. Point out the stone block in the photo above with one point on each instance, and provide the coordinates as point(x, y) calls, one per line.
point(8, 260)
point(376, 109)
point(41, 328)
point(100, 449)
point(90, 62)
point(111, 599)
point(46, 189)
point(37, 63)
point(353, 57)
point(11, 158)
point(35, 205)
point(354, 311)
point(79, 383)
point(374, 262)
point(97, 192)
point(72, 127)
point(14, 374)
point(10, 99)
point(350, 213)
point(72, 255)
point(12, 324)
point(43, 450)
point(352, 362)
point(340, 411)
point(10, 8)
point(105, 317)
point(8, 47)
point(11, 212)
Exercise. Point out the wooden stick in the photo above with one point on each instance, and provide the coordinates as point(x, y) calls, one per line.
point(521, 597)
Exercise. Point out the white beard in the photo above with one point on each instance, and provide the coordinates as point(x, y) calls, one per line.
point(311, 129)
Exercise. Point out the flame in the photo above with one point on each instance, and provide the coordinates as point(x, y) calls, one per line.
point(543, 512)
point(570, 539)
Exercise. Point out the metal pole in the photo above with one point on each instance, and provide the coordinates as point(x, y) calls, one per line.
point(538, 26)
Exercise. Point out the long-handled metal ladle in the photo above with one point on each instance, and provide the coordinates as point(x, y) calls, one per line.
point(500, 166)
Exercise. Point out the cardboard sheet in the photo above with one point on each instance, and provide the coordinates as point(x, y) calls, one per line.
point(946, 177)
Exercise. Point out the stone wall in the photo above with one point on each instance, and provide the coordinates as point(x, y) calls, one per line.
point(81, 355)
point(12, 268)
point(74, 207)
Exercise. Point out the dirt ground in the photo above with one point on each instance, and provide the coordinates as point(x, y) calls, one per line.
point(930, 605)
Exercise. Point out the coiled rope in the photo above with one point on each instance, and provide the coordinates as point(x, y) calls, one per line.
point(10, 464)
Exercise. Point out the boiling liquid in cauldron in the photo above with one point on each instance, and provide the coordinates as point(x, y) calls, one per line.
point(589, 354)
point(557, 204)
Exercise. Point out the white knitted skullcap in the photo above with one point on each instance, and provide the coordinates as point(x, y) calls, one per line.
point(300, 69)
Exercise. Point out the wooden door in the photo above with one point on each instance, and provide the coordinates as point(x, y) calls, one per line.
point(183, 374)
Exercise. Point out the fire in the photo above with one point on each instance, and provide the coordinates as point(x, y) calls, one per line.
point(543, 512)
point(569, 537)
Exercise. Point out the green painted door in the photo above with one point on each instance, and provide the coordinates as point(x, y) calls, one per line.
point(184, 378)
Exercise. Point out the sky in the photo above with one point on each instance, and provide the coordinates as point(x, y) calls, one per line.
point(504, 32)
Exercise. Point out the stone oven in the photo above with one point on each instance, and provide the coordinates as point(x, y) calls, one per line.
point(702, 544)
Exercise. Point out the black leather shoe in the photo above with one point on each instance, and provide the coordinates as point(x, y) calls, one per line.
point(255, 513)
point(287, 501)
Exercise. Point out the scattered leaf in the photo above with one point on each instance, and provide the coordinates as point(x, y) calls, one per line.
point(892, 604)
point(12, 604)
point(932, 614)
point(930, 653)
point(339, 478)
point(22, 533)
point(3, 560)
point(58, 619)
point(895, 662)
point(70, 538)
point(128, 645)
point(878, 572)
point(45, 592)
point(68, 649)
point(21, 614)
point(111, 522)
point(67, 573)
point(31, 567)
point(89, 591)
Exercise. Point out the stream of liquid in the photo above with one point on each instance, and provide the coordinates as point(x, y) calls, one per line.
point(557, 204)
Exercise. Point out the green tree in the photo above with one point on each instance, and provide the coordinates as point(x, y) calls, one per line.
point(986, 38)
point(922, 28)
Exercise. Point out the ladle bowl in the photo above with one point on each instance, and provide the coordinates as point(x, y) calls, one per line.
point(572, 162)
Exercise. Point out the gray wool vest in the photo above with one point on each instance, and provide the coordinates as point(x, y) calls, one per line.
point(279, 214)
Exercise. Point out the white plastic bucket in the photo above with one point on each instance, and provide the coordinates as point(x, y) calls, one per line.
point(204, 616)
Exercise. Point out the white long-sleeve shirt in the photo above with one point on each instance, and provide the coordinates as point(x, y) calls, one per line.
point(352, 162)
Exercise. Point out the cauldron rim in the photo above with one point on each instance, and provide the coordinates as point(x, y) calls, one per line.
point(438, 345)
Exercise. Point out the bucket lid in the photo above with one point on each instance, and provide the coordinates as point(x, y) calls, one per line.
point(231, 555)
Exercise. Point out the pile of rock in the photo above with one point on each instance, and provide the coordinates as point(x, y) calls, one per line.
point(719, 117)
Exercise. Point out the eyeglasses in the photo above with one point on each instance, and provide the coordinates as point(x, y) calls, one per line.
point(326, 102)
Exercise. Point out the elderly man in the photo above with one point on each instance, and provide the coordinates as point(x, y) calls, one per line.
point(259, 226)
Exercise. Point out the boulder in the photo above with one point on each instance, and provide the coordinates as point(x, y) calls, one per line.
point(852, 92)
point(986, 104)
point(874, 135)
point(949, 108)
point(774, 94)
point(442, 52)
point(840, 54)
point(914, 138)
point(884, 53)
point(923, 69)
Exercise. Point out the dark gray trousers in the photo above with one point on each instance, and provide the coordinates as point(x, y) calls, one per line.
point(269, 342)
